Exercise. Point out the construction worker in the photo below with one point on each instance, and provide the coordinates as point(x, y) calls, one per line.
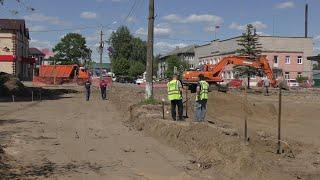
point(201, 99)
point(266, 84)
point(103, 88)
point(87, 86)
point(175, 96)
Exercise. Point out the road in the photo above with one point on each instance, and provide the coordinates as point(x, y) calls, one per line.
point(76, 139)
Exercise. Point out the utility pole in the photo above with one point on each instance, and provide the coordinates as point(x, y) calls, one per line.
point(149, 84)
point(101, 52)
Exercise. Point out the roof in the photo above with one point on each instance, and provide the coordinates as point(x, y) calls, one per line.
point(177, 51)
point(35, 51)
point(14, 24)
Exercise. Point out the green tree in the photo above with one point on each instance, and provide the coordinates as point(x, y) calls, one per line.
point(136, 69)
point(120, 66)
point(251, 48)
point(155, 64)
point(72, 49)
point(175, 61)
point(125, 46)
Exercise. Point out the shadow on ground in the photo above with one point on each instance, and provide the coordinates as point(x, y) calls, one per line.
point(38, 94)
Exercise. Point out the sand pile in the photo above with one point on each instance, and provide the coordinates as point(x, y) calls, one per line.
point(11, 85)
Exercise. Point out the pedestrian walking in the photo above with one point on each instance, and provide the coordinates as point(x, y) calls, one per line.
point(201, 99)
point(103, 88)
point(266, 84)
point(87, 86)
point(174, 88)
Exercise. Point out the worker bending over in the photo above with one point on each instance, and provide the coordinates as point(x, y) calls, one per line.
point(201, 99)
point(175, 97)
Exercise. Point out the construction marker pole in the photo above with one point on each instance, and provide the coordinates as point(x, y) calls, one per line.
point(40, 95)
point(162, 108)
point(187, 103)
point(279, 121)
point(245, 114)
point(12, 98)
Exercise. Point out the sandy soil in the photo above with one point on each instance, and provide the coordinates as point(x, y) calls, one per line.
point(68, 138)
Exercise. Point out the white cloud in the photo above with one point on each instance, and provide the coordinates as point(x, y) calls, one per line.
point(37, 17)
point(257, 24)
point(132, 20)
point(194, 18)
point(263, 34)
point(159, 31)
point(88, 15)
point(40, 44)
point(285, 5)
point(165, 47)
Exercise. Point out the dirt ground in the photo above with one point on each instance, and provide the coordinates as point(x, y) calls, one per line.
point(68, 138)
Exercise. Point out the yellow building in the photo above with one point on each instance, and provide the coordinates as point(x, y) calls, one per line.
point(14, 49)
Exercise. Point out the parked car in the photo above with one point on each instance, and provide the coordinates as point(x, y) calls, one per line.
point(140, 81)
point(292, 83)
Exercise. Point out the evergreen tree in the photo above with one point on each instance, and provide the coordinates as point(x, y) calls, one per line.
point(251, 48)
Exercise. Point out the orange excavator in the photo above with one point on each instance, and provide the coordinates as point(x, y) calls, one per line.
point(213, 73)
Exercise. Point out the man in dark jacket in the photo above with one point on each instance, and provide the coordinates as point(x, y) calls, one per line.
point(103, 88)
point(87, 86)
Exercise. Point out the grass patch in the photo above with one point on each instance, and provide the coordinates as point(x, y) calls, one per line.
point(150, 101)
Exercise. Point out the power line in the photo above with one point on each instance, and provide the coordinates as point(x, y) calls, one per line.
point(131, 10)
point(71, 29)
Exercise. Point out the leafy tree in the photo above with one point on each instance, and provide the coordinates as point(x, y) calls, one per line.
point(251, 48)
point(156, 61)
point(136, 69)
point(121, 43)
point(139, 51)
point(125, 46)
point(175, 61)
point(72, 49)
point(120, 66)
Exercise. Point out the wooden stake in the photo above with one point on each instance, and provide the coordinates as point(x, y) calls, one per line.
point(279, 121)
point(245, 114)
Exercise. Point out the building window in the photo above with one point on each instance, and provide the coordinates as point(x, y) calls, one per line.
point(275, 59)
point(299, 61)
point(299, 74)
point(286, 75)
point(287, 59)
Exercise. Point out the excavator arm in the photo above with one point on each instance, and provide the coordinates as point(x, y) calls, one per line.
point(213, 73)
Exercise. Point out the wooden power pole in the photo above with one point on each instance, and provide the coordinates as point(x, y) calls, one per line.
point(101, 52)
point(149, 84)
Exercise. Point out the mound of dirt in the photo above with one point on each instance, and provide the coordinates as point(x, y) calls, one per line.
point(9, 85)
point(211, 147)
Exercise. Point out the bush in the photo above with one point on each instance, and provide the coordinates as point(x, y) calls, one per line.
point(302, 79)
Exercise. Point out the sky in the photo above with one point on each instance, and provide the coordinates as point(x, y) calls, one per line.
point(177, 22)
